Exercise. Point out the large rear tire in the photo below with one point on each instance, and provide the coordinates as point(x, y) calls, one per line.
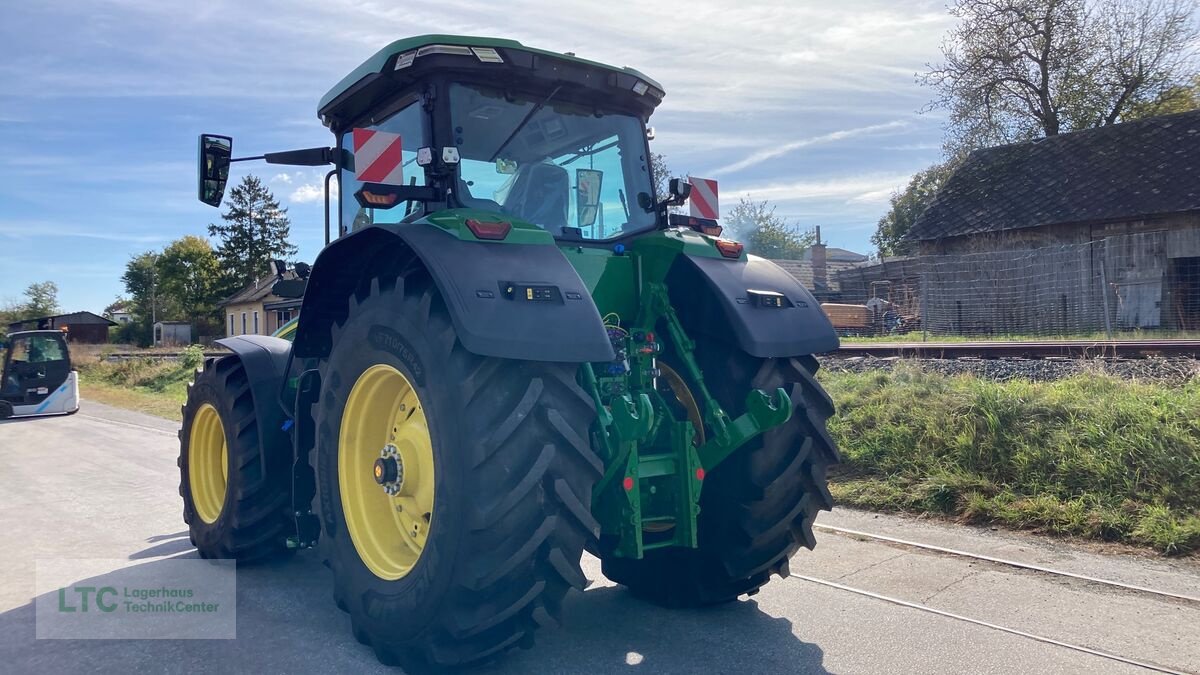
point(232, 509)
point(505, 446)
point(758, 506)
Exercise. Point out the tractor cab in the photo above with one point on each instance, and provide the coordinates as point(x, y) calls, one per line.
point(514, 135)
point(37, 378)
point(493, 126)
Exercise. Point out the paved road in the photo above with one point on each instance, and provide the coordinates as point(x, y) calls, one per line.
point(103, 484)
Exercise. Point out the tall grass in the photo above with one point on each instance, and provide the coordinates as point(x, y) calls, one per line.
point(157, 386)
point(1089, 455)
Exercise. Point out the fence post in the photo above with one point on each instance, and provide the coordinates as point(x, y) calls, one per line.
point(924, 277)
point(1104, 292)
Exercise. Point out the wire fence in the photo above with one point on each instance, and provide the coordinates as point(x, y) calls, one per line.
point(1136, 285)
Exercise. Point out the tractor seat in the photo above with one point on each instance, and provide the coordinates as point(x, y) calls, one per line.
point(541, 195)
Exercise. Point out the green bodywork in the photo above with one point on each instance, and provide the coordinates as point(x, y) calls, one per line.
point(656, 443)
point(649, 494)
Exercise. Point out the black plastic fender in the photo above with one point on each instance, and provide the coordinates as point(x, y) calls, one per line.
point(472, 278)
point(713, 296)
point(266, 360)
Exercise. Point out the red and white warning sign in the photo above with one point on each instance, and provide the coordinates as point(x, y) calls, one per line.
point(377, 157)
point(703, 199)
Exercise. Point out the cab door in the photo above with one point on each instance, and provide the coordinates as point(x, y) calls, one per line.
point(36, 365)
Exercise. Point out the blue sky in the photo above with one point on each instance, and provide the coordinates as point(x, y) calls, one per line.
point(811, 105)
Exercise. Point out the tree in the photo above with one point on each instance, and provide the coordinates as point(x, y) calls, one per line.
point(190, 276)
point(1016, 70)
point(148, 302)
point(10, 311)
point(255, 232)
point(1182, 98)
point(907, 205)
point(119, 304)
point(41, 299)
point(660, 174)
point(765, 233)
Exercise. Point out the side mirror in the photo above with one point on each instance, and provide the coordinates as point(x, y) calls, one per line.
point(289, 288)
point(214, 157)
point(587, 195)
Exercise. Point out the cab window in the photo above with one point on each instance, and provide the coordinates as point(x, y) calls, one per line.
point(409, 124)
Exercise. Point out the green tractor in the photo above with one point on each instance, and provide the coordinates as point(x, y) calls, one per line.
point(511, 352)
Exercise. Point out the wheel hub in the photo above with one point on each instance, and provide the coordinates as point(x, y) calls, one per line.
point(388, 470)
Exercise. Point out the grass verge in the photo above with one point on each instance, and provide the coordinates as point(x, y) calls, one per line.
point(150, 385)
point(1097, 336)
point(1088, 456)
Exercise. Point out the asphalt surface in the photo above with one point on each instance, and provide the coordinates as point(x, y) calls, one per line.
point(103, 484)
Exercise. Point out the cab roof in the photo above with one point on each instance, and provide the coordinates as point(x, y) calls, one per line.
point(376, 64)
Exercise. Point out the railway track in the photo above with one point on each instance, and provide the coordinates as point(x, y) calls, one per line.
point(1110, 656)
point(1075, 349)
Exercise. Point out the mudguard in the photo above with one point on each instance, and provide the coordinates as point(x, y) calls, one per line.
point(725, 306)
point(266, 360)
point(473, 278)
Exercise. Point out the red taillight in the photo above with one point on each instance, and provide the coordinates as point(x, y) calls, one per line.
point(729, 249)
point(379, 200)
point(627, 484)
point(488, 229)
point(700, 473)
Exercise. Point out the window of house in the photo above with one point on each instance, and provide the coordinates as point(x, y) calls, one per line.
point(256, 322)
point(282, 316)
point(243, 323)
point(231, 325)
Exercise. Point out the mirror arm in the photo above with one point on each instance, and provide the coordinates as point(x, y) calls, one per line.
point(306, 157)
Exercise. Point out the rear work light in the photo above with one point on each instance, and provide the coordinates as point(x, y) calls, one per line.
point(487, 229)
point(729, 249)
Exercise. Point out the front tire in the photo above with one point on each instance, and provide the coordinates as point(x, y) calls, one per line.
point(512, 475)
point(758, 506)
point(232, 509)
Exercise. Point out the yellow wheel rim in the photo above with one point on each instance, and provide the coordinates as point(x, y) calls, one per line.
point(208, 463)
point(385, 472)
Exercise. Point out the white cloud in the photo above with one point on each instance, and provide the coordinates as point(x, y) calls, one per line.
point(854, 189)
point(313, 192)
point(308, 193)
point(36, 230)
point(281, 178)
point(780, 150)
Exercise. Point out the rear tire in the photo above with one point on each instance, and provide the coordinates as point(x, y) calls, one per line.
point(254, 516)
point(758, 506)
point(513, 474)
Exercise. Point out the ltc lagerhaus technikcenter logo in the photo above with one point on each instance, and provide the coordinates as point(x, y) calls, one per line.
point(113, 599)
point(132, 599)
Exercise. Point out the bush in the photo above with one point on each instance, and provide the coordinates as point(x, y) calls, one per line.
point(1089, 455)
point(193, 356)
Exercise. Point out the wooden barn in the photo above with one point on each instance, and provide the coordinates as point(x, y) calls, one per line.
point(84, 327)
point(1087, 231)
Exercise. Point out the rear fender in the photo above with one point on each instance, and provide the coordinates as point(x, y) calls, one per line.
point(265, 360)
point(712, 297)
point(472, 277)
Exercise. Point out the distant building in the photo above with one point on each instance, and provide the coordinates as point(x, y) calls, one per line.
point(1087, 230)
point(120, 312)
point(172, 334)
point(817, 269)
point(83, 327)
point(255, 310)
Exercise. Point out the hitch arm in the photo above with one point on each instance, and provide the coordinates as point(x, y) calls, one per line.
point(763, 412)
